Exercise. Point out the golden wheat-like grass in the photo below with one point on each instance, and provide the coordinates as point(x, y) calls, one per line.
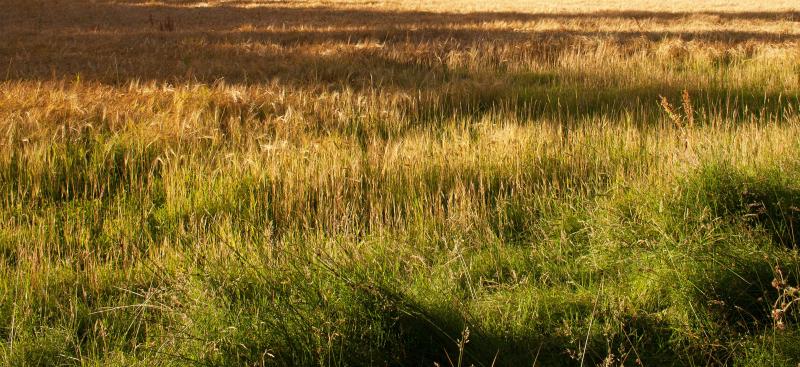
point(374, 182)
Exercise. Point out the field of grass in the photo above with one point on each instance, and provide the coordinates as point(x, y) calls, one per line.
point(454, 183)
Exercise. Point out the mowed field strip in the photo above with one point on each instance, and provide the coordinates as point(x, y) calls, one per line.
point(452, 183)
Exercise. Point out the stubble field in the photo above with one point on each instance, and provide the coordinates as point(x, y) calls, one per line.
point(458, 183)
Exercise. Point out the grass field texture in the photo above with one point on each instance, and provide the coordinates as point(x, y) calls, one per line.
point(454, 183)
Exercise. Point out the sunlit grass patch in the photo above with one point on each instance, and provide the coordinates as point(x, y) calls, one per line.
point(258, 183)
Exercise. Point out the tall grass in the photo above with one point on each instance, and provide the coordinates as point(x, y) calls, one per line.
point(591, 200)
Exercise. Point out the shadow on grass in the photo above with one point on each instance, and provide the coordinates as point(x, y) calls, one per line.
point(327, 48)
point(115, 42)
point(374, 322)
point(769, 201)
point(737, 285)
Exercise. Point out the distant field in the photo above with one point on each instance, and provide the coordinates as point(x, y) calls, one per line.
point(578, 6)
point(453, 183)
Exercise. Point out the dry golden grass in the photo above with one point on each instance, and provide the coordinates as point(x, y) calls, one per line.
point(346, 43)
point(581, 6)
point(359, 182)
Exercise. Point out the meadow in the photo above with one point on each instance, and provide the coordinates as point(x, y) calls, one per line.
point(453, 183)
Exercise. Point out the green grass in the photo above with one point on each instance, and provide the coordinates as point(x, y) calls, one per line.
point(549, 212)
point(117, 252)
